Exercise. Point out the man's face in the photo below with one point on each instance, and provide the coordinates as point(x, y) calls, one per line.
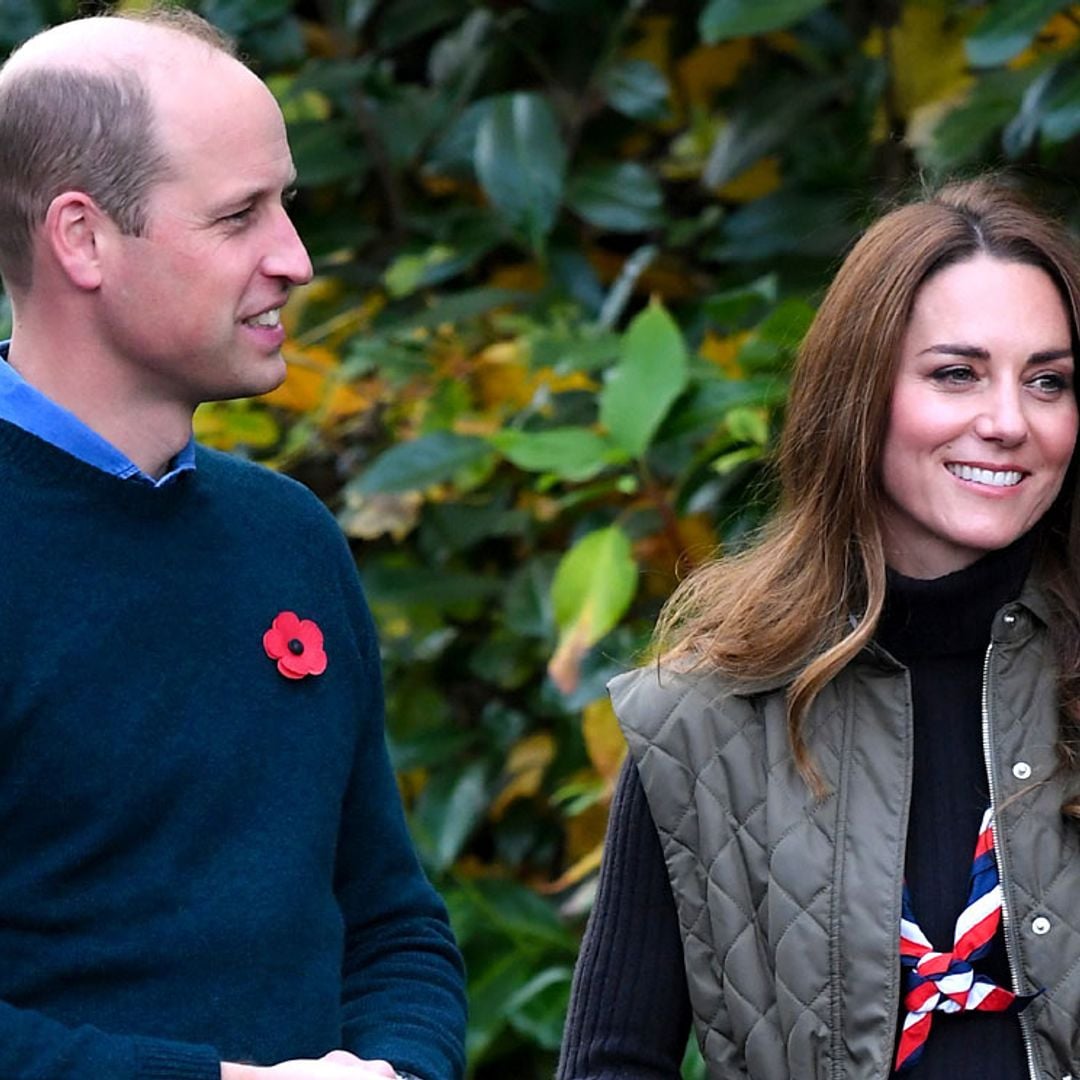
point(190, 307)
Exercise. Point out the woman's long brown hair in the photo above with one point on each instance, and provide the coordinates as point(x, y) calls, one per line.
point(807, 597)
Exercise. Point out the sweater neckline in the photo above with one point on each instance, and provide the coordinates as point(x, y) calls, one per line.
point(42, 461)
point(954, 613)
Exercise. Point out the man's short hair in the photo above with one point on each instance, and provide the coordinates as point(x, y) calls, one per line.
point(75, 129)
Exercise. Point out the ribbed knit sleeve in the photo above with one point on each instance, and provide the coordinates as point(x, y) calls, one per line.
point(629, 1013)
point(33, 1045)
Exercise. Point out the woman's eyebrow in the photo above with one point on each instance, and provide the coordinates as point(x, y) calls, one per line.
point(976, 352)
point(972, 352)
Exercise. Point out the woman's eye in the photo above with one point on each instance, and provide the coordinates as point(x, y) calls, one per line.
point(1051, 382)
point(953, 375)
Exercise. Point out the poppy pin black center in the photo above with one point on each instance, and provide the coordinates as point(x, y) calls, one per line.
point(296, 646)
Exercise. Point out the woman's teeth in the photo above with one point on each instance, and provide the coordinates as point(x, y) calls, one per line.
point(990, 477)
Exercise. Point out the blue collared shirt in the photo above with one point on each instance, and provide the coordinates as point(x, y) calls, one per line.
point(28, 408)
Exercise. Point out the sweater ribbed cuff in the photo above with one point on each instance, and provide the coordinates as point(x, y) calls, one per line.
point(157, 1059)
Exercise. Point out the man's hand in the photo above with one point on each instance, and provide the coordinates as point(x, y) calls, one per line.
point(337, 1065)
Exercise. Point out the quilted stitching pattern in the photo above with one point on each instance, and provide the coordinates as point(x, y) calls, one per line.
point(752, 859)
point(759, 877)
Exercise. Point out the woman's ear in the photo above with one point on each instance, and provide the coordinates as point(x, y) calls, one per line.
point(71, 234)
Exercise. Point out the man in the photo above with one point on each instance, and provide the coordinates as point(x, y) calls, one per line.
point(205, 873)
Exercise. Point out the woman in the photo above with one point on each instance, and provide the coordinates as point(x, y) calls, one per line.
point(800, 861)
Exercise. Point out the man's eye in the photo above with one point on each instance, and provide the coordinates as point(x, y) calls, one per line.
point(240, 216)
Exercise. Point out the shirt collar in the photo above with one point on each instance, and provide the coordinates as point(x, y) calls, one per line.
point(28, 408)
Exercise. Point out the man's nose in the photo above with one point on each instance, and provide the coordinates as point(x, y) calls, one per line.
point(287, 257)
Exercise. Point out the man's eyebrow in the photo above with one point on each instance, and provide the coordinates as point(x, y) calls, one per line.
point(976, 352)
point(242, 198)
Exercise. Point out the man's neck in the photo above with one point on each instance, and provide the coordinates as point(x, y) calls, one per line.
point(149, 432)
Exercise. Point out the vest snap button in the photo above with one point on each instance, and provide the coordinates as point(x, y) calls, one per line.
point(1022, 770)
point(1040, 925)
point(1008, 619)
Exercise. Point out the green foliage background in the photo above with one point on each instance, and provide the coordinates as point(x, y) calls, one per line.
point(564, 251)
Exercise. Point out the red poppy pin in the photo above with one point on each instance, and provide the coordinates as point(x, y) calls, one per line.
point(296, 644)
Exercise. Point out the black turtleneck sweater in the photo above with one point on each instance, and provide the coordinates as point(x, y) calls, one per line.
point(629, 1013)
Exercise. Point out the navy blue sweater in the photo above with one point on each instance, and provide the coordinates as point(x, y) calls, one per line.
point(200, 859)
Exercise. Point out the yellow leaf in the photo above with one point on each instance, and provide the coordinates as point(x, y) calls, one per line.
point(653, 42)
point(501, 376)
point(586, 865)
point(564, 667)
point(667, 278)
point(525, 767)
point(604, 740)
point(562, 382)
point(311, 384)
point(368, 517)
point(523, 275)
point(761, 179)
point(1059, 34)
point(784, 41)
point(924, 30)
point(709, 68)
point(225, 425)
point(724, 352)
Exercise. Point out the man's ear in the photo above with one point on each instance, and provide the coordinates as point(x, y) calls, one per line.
point(72, 234)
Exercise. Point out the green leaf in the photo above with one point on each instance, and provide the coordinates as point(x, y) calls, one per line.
point(415, 586)
point(796, 221)
point(527, 603)
point(637, 89)
point(538, 1009)
point(453, 308)
point(357, 12)
point(622, 197)
point(416, 465)
point(623, 286)
point(516, 913)
point(723, 19)
point(594, 584)
point(787, 323)
point(520, 161)
point(748, 425)
point(1008, 28)
point(492, 980)
point(18, 21)
point(571, 453)
point(409, 272)
point(450, 807)
point(732, 308)
point(326, 152)
point(462, 50)
point(1061, 105)
point(964, 134)
point(454, 526)
point(238, 17)
point(764, 124)
point(1021, 130)
point(406, 20)
point(650, 375)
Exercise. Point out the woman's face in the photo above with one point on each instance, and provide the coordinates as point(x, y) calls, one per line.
point(983, 417)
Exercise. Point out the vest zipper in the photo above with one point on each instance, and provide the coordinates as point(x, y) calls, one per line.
point(1008, 931)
